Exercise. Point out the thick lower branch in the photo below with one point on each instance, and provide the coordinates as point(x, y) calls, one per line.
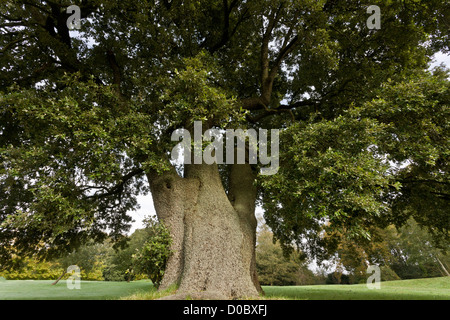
point(242, 189)
point(173, 197)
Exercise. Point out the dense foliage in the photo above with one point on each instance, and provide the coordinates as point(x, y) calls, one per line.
point(367, 167)
point(151, 259)
point(85, 115)
point(274, 268)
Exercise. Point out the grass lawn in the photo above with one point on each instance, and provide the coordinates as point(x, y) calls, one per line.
point(90, 290)
point(417, 289)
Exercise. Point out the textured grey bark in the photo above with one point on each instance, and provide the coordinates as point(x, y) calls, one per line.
point(213, 233)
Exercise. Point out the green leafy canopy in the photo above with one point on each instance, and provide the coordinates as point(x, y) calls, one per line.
point(85, 115)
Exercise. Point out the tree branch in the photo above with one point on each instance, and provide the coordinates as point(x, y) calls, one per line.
point(117, 189)
point(424, 181)
point(117, 74)
point(253, 104)
point(9, 18)
point(283, 53)
point(242, 191)
point(269, 72)
point(8, 45)
point(282, 109)
point(226, 33)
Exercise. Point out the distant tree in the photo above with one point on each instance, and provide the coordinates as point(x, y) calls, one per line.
point(152, 257)
point(87, 258)
point(414, 254)
point(407, 252)
point(32, 269)
point(352, 258)
point(275, 268)
point(145, 254)
point(119, 264)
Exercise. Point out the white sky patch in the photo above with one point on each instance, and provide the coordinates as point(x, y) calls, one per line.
point(441, 58)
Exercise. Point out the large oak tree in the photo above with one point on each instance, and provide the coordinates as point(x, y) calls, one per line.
point(86, 120)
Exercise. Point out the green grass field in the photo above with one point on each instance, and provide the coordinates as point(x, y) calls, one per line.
point(418, 289)
point(90, 290)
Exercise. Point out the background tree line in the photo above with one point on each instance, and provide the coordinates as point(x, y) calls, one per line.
point(143, 257)
point(405, 253)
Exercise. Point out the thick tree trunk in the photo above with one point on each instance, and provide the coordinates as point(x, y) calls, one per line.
point(213, 233)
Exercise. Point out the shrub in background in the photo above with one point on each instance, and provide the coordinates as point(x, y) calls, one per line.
point(151, 259)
